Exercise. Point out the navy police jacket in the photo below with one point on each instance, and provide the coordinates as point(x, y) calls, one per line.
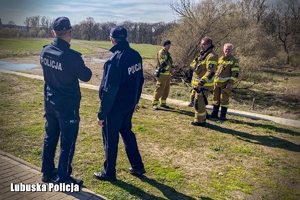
point(62, 67)
point(122, 81)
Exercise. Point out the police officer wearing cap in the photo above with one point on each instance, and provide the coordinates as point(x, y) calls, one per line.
point(62, 67)
point(119, 93)
point(165, 69)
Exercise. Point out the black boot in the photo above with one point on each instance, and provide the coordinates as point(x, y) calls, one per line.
point(223, 113)
point(214, 113)
point(207, 115)
point(198, 123)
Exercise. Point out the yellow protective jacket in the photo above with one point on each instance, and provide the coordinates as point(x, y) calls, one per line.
point(227, 70)
point(204, 67)
point(164, 62)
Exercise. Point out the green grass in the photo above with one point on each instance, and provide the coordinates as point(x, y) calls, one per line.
point(101, 44)
point(33, 46)
point(29, 46)
point(147, 51)
point(238, 159)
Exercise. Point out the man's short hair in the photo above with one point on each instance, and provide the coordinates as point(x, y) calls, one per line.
point(61, 34)
point(207, 40)
point(228, 44)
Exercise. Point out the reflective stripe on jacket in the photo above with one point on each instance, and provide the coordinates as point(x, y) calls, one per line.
point(164, 58)
point(227, 70)
point(205, 66)
point(196, 81)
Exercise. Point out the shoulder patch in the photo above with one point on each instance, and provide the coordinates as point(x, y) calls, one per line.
point(75, 52)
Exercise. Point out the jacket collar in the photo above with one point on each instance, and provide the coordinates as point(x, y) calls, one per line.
point(61, 43)
point(207, 50)
point(204, 54)
point(227, 57)
point(120, 46)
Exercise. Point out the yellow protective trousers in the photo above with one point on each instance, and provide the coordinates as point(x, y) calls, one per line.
point(220, 95)
point(193, 93)
point(162, 90)
point(200, 107)
point(192, 96)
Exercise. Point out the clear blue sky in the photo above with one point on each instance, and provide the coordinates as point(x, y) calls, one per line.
point(150, 11)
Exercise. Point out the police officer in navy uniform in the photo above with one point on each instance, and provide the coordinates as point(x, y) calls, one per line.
point(62, 67)
point(119, 93)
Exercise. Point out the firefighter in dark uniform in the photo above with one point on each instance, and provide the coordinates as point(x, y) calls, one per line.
point(119, 93)
point(226, 74)
point(204, 68)
point(62, 67)
point(165, 69)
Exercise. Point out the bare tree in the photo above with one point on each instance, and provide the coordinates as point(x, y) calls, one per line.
point(35, 21)
point(33, 25)
point(27, 23)
point(11, 24)
point(76, 31)
point(95, 31)
point(286, 19)
point(45, 23)
point(86, 28)
point(253, 9)
point(208, 18)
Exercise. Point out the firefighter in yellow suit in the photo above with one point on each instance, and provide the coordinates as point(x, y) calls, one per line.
point(165, 69)
point(226, 74)
point(204, 67)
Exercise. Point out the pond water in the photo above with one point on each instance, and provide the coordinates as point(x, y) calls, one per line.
point(96, 60)
point(13, 66)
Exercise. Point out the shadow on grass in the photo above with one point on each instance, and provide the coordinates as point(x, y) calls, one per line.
point(133, 190)
point(175, 110)
point(83, 195)
point(266, 140)
point(168, 192)
point(266, 126)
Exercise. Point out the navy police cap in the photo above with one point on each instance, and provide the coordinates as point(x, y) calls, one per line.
point(61, 24)
point(118, 32)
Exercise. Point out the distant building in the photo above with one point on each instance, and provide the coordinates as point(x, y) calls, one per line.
point(23, 28)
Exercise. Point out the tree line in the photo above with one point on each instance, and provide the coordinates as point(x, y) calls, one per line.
point(40, 26)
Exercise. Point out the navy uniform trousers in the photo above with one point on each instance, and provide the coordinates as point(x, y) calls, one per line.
point(66, 127)
point(119, 122)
